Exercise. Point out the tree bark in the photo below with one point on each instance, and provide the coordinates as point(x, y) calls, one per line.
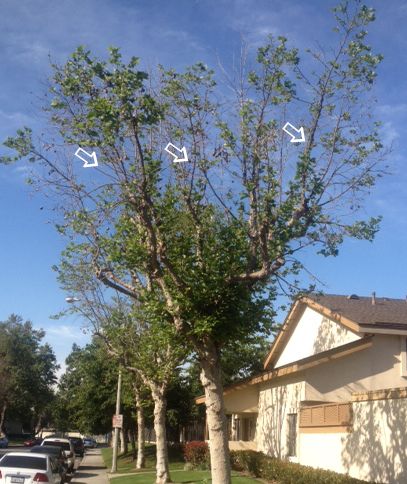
point(141, 437)
point(160, 408)
point(123, 441)
point(211, 379)
point(2, 418)
point(132, 434)
point(38, 426)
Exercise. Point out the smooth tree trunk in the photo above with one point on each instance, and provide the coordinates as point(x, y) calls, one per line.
point(38, 426)
point(133, 442)
point(141, 431)
point(211, 380)
point(123, 441)
point(2, 417)
point(160, 409)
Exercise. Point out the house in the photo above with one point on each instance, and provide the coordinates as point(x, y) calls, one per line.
point(333, 393)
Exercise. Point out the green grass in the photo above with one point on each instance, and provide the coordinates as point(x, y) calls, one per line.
point(126, 464)
point(199, 477)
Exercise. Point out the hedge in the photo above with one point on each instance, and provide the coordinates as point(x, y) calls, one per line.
point(196, 453)
point(284, 472)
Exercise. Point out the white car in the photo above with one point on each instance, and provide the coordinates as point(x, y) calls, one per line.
point(68, 448)
point(28, 468)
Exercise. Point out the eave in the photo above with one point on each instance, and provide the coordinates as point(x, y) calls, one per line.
point(298, 366)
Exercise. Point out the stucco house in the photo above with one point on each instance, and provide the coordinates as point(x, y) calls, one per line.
point(333, 393)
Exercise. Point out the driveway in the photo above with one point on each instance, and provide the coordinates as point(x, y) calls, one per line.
point(92, 469)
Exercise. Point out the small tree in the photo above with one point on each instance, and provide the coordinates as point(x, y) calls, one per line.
point(204, 243)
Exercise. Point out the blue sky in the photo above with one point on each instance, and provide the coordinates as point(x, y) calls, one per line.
point(178, 33)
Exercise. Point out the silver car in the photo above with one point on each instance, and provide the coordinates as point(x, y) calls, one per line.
point(68, 448)
point(28, 468)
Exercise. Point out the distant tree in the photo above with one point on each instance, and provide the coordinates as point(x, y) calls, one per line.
point(209, 240)
point(87, 391)
point(27, 372)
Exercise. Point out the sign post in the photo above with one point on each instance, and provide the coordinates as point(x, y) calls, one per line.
point(117, 423)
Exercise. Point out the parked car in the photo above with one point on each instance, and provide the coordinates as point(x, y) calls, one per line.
point(89, 443)
point(78, 445)
point(3, 442)
point(24, 468)
point(33, 441)
point(67, 446)
point(58, 454)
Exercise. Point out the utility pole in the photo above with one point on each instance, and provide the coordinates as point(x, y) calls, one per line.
point(116, 428)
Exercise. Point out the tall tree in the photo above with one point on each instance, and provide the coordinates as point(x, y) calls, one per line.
point(211, 238)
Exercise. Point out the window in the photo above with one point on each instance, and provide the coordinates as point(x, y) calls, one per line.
point(292, 434)
point(24, 462)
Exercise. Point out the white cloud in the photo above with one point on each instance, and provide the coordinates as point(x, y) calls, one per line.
point(67, 331)
point(15, 119)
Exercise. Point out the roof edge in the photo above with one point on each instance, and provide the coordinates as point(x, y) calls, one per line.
point(299, 365)
point(289, 325)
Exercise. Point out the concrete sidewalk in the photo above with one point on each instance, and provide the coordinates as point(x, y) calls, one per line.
point(92, 469)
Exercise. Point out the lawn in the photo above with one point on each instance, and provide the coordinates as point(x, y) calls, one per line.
point(126, 464)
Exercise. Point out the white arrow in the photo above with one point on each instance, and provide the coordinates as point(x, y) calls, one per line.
point(289, 128)
point(174, 153)
point(85, 160)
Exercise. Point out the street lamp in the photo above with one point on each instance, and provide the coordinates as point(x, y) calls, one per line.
point(71, 299)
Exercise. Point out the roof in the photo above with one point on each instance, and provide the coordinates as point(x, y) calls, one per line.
point(363, 311)
point(360, 314)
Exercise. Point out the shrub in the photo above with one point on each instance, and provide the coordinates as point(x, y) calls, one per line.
point(197, 454)
point(270, 468)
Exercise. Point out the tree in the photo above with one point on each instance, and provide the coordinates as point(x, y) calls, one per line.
point(27, 372)
point(87, 391)
point(152, 351)
point(209, 241)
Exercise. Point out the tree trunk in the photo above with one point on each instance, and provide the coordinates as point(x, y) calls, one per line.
point(141, 429)
point(160, 408)
point(38, 426)
point(133, 443)
point(123, 441)
point(2, 418)
point(209, 358)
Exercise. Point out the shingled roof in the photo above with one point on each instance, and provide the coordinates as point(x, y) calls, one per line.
point(362, 310)
point(363, 315)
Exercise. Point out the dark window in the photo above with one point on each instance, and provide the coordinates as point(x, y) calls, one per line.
point(55, 443)
point(292, 434)
point(46, 449)
point(22, 461)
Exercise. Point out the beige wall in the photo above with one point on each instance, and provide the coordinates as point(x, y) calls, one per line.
point(322, 450)
point(314, 333)
point(374, 451)
point(240, 445)
point(242, 400)
point(374, 368)
point(275, 403)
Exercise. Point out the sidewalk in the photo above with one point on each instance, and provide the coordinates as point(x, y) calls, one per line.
point(92, 469)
